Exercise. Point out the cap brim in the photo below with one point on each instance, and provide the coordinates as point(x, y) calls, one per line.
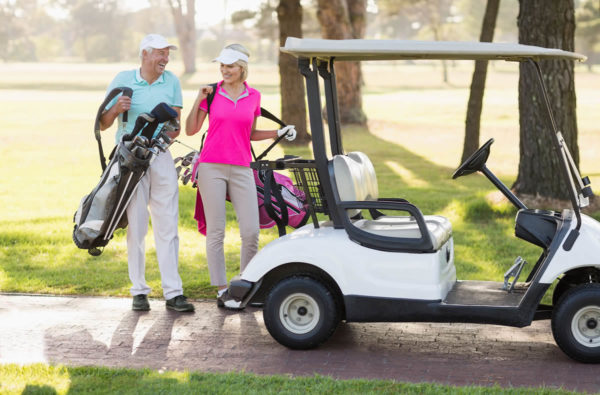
point(226, 59)
point(170, 46)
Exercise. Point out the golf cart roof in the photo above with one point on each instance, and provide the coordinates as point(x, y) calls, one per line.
point(408, 49)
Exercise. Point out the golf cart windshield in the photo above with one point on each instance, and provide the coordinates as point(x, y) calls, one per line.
point(316, 58)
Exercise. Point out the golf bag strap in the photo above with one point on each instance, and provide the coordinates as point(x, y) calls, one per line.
point(268, 115)
point(272, 190)
point(210, 97)
point(111, 95)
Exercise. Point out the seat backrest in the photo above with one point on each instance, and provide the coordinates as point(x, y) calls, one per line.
point(355, 178)
point(368, 174)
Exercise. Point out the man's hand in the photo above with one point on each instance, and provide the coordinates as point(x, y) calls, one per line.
point(123, 104)
point(108, 117)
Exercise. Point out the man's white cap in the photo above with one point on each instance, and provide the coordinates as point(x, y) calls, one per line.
point(155, 41)
point(230, 56)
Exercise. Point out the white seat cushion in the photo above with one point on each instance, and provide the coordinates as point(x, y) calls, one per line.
point(440, 229)
point(356, 181)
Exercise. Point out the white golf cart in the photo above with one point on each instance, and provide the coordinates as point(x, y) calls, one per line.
point(364, 266)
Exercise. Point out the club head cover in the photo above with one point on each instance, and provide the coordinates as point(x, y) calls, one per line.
point(163, 113)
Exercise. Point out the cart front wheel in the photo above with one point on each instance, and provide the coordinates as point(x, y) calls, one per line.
point(576, 323)
point(300, 312)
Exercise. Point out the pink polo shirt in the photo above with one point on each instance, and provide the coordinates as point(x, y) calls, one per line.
point(230, 126)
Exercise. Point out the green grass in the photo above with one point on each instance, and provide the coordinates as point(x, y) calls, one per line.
point(44, 379)
point(50, 161)
point(414, 137)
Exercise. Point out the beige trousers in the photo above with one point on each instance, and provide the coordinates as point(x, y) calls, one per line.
point(158, 189)
point(215, 182)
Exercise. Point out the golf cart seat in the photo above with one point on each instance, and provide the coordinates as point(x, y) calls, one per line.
point(357, 189)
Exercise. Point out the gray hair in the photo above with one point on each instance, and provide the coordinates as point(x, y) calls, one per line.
point(241, 63)
point(148, 51)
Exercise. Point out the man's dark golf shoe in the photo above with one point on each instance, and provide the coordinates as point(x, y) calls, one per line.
point(140, 303)
point(180, 303)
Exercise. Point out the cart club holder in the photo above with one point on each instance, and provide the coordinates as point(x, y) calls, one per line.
point(306, 177)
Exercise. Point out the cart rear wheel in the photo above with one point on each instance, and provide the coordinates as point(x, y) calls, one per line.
point(300, 312)
point(576, 323)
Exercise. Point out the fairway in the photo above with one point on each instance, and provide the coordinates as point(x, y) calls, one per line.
point(416, 124)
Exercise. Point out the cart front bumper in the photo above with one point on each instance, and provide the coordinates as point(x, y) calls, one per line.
point(243, 290)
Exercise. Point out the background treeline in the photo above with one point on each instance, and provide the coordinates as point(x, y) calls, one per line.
point(107, 30)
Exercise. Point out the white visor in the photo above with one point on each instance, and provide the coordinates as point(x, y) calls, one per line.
point(230, 56)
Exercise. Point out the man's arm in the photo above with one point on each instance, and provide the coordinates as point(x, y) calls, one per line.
point(108, 116)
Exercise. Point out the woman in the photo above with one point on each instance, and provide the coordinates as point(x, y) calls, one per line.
point(224, 162)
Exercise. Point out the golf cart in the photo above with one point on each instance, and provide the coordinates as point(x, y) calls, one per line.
point(362, 265)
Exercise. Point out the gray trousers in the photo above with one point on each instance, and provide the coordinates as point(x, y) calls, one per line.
point(215, 182)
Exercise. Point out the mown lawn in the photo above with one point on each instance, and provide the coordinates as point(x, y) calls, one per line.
point(414, 138)
point(43, 379)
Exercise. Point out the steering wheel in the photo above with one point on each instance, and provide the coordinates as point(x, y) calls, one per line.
point(475, 162)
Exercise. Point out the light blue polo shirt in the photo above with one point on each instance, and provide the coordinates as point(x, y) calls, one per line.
point(145, 97)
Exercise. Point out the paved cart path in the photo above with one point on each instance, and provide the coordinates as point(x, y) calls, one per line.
point(104, 331)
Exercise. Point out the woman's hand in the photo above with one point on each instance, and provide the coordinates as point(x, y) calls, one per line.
point(289, 131)
point(204, 91)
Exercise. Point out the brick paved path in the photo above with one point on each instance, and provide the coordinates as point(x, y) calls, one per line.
point(104, 331)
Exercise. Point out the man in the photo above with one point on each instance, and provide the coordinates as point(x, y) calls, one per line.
point(151, 85)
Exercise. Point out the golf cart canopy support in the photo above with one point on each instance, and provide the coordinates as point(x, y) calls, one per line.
point(316, 58)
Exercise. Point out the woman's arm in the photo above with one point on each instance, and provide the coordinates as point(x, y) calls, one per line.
point(257, 135)
point(289, 130)
point(196, 117)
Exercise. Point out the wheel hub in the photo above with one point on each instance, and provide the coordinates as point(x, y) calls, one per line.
point(585, 326)
point(299, 313)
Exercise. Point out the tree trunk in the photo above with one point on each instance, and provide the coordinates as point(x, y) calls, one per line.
point(339, 20)
point(293, 105)
point(548, 24)
point(185, 26)
point(475, 105)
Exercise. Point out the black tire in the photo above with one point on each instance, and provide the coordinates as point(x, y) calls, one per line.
point(563, 285)
point(576, 323)
point(300, 312)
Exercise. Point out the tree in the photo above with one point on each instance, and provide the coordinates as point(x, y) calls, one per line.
point(293, 106)
point(95, 28)
point(427, 18)
point(14, 31)
point(185, 26)
point(547, 24)
point(475, 105)
point(345, 19)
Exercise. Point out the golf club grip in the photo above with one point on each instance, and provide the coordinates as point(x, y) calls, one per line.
point(127, 92)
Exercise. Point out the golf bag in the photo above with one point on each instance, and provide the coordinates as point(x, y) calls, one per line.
point(279, 201)
point(102, 211)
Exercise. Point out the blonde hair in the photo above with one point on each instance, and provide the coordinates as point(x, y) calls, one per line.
point(241, 63)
